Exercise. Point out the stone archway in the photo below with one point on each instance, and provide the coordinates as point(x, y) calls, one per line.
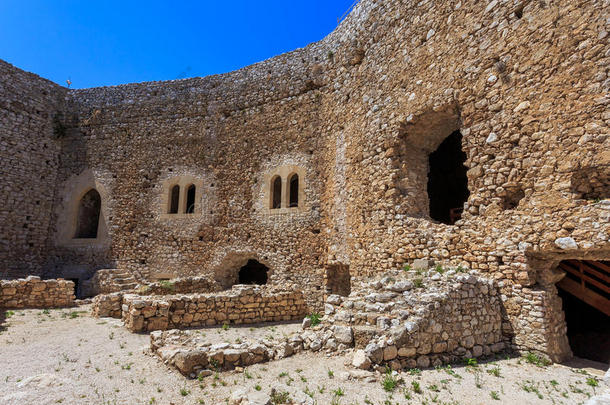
point(243, 267)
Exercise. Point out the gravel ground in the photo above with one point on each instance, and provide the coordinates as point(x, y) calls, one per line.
point(65, 356)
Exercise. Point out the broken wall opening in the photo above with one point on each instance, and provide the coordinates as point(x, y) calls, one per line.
point(241, 268)
point(447, 180)
point(338, 280)
point(431, 165)
point(253, 273)
point(585, 293)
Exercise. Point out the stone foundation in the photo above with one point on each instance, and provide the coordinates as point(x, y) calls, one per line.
point(242, 304)
point(33, 292)
point(186, 285)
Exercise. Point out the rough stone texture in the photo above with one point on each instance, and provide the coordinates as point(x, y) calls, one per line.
point(242, 304)
point(33, 292)
point(432, 317)
point(359, 112)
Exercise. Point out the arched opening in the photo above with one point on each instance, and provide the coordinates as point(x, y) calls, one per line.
point(447, 180)
point(253, 273)
point(190, 199)
point(276, 192)
point(88, 217)
point(293, 197)
point(174, 199)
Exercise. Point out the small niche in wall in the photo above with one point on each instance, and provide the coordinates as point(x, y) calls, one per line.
point(591, 183)
point(512, 198)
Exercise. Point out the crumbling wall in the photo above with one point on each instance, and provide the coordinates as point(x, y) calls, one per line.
point(33, 292)
point(242, 304)
point(359, 112)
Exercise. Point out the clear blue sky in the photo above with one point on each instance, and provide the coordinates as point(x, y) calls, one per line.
point(107, 42)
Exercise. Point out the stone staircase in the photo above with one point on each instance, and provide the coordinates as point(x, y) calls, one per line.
point(415, 318)
point(107, 281)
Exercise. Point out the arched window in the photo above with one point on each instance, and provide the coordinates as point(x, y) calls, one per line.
point(174, 199)
point(276, 192)
point(294, 191)
point(88, 217)
point(190, 199)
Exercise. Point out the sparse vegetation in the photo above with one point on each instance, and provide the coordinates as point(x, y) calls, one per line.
point(315, 318)
point(537, 360)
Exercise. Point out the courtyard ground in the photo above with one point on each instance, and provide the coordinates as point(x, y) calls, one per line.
point(66, 356)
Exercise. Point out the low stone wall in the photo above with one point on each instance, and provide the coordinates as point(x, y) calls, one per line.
point(242, 304)
point(32, 292)
point(186, 285)
point(108, 305)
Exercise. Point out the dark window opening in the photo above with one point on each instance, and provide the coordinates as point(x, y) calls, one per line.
point(190, 199)
point(88, 215)
point(447, 180)
point(294, 191)
point(338, 280)
point(253, 273)
point(276, 193)
point(585, 294)
point(174, 199)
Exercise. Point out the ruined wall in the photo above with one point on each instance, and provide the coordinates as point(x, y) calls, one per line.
point(29, 157)
point(359, 112)
point(238, 306)
point(526, 85)
point(33, 292)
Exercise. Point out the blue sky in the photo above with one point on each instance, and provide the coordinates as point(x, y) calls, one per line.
point(108, 42)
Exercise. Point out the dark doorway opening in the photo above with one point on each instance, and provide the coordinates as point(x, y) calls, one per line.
point(75, 281)
point(447, 180)
point(253, 273)
point(588, 328)
point(338, 280)
point(88, 217)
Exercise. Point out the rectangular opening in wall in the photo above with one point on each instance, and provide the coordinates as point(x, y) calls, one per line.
point(585, 292)
point(338, 280)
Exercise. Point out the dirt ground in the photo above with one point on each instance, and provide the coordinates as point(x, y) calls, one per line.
point(65, 356)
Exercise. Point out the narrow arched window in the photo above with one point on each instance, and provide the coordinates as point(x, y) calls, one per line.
point(174, 199)
point(190, 199)
point(294, 191)
point(88, 217)
point(276, 192)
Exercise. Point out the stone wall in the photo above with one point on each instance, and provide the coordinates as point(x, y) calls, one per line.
point(242, 304)
point(31, 111)
point(415, 319)
point(359, 113)
point(182, 285)
point(33, 292)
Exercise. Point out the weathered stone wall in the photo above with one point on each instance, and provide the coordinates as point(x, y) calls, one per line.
point(242, 304)
point(108, 305)
point(30, 108)
point(185, 285)
point(417, 319)
point(526, 84)
point(33, 292)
